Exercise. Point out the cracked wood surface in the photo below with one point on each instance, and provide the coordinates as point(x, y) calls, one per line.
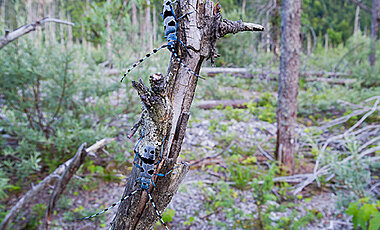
point(166, 109)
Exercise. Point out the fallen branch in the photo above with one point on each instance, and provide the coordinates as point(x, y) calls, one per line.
point(272, 74)
point(60, 187)
point(325, 170)
point(11, 36)
point(46, 181)
point(238, 103)
point(343, 119)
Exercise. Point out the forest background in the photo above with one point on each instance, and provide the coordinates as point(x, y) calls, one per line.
point(60, 87)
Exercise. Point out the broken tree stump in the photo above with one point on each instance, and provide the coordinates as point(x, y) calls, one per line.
point(166, 109)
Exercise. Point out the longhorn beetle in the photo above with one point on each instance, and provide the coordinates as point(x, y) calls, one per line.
point(146, 175)
point(170, 27)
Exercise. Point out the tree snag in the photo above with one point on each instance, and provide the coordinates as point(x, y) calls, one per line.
point(166, 106)
point(288, 82)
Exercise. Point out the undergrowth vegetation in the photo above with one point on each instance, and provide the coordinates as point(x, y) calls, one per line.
point(54, 98)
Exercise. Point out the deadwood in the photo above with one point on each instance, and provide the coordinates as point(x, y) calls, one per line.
point(237, 103)
point(25, 29)
point(310, 76)
point(362, 152)
point(60, 187)
point(166, 110)
point(31, 194)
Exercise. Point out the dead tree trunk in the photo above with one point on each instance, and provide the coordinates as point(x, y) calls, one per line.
point(166, 110)
point(288, 82)
point(374, 32)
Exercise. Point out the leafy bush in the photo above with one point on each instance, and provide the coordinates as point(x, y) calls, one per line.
point(365, 214)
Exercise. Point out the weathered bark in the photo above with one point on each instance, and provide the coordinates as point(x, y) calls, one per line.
point(9, 37)
point(374, 32)
point(166, 107)
point(288, 82)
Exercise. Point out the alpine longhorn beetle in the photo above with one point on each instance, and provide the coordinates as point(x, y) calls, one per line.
point(171, 28)
point(146, 175)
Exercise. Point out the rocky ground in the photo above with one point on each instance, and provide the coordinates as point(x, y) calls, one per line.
point(189, 202)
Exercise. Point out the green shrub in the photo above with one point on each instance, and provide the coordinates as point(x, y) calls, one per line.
point(52, 105)
point(365, 214)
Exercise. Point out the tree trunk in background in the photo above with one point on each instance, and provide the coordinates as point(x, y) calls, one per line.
point(148, 26)
point(357, 17)
point(154, 24)
point(134, 21)
point(40, 15)
point(3, 15)
point(134, 14)
point(109, 36)
point(268, 29)
point(308, 38)
point(374, 31)
point(326, 43)
point(142, 28)
point(30, 11)
point(61, 27)
point(275, 30)
point(288, 82)
point(243, 8)
point(52, 26)
point(69, 33)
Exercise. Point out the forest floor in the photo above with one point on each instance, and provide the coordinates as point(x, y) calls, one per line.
point(190, 202)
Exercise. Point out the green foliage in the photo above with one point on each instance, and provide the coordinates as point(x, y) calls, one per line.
point(4, 184)
point(168, 215)
point(334, 17)
point(241, 175)
point(38, 212)
point(51, 106)
point(266, 205)
point(365, 214)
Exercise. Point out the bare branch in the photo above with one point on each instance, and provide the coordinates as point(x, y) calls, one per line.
point(11, 36)
point(228, 27)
